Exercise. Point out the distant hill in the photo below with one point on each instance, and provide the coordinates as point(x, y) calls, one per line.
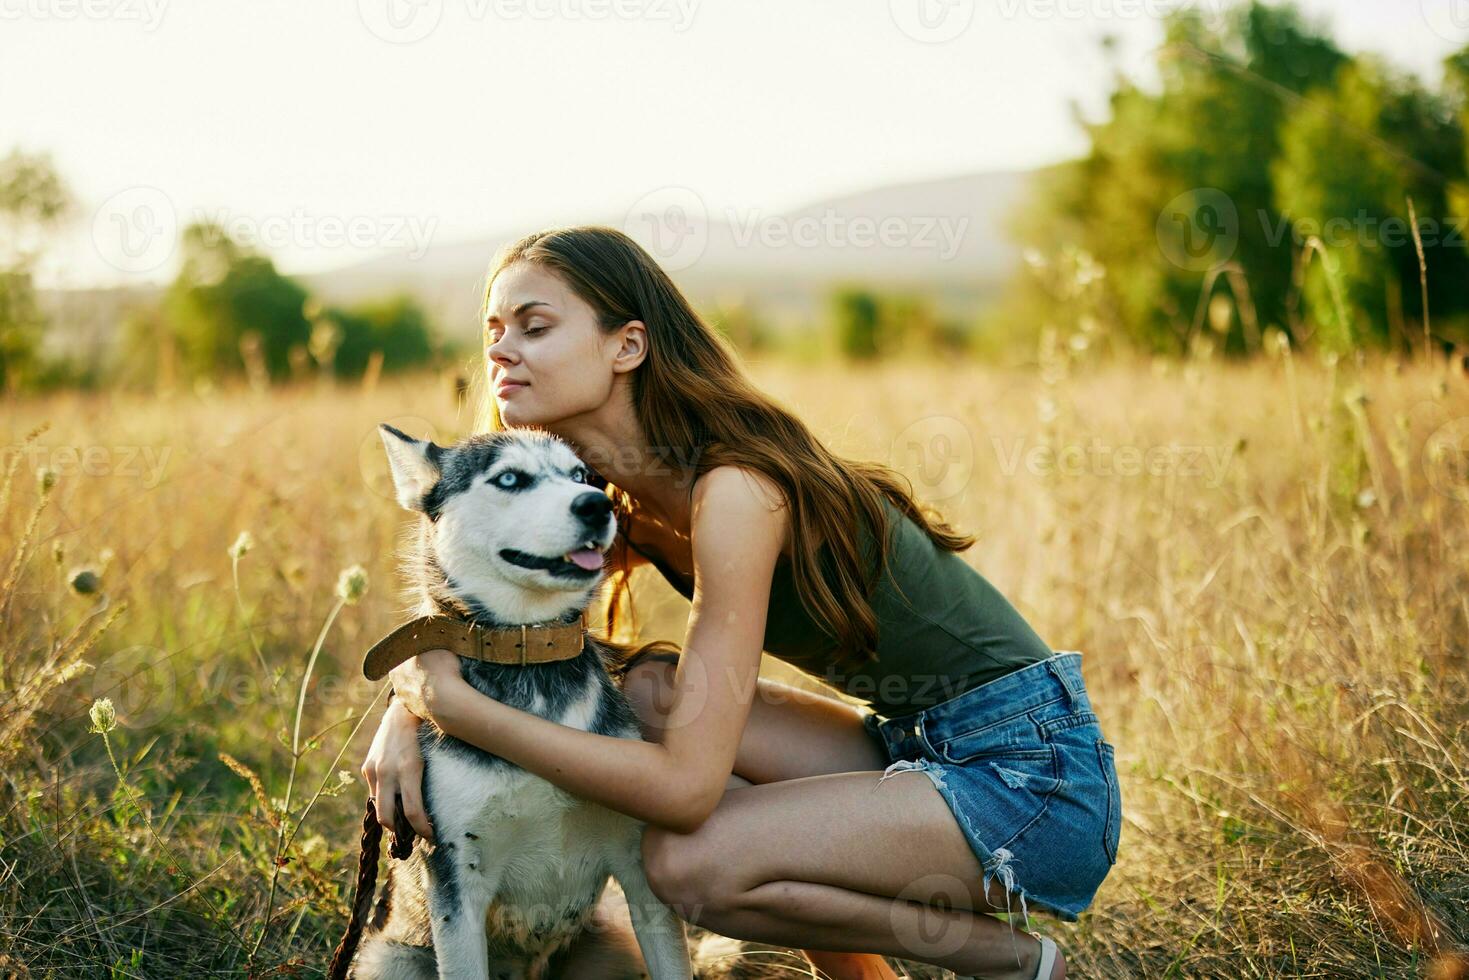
point(942, 236)
point(945, 236)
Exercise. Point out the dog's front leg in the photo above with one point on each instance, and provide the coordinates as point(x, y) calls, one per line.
point(460, 892)
point(659, 931)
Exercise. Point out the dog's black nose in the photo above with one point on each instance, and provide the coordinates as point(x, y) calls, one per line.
point(593, 507)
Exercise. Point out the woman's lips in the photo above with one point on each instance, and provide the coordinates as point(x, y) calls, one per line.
point(506, 387)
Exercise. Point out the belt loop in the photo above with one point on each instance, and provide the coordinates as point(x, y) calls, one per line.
point(524, 644)
point(1054, 666)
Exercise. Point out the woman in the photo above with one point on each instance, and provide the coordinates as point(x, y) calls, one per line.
point(773, 814)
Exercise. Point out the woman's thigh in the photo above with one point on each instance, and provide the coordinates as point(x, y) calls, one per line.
point(791, 733)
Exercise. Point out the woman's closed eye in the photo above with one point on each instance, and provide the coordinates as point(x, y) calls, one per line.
point(530, 330)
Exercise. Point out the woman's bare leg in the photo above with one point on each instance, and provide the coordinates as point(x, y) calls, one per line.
point(773, 864)
point(791, 733)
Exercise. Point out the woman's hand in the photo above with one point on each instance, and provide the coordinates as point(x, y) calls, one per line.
point(425, 683)
point(394, 766)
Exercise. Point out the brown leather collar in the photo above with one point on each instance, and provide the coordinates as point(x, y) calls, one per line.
point(513, 645)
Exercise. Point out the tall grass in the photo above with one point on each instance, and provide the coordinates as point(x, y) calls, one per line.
point(1273, 625)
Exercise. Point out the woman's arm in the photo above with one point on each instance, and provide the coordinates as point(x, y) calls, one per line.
point(738, 528)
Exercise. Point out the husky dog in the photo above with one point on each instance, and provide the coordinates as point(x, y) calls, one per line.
point(510, 533)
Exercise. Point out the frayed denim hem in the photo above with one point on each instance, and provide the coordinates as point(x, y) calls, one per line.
point(1001, 859)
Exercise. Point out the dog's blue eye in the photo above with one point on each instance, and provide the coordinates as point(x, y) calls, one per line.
point(507, 479)
point(579, 474)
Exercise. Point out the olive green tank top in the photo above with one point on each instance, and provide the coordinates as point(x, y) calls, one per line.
point(942, 627)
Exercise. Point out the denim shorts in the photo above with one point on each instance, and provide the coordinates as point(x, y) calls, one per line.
point(1022, 763)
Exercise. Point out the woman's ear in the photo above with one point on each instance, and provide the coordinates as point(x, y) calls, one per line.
point(634, 346)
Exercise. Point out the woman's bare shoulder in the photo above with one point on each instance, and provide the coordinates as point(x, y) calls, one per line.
point(743, 497)
point(730, 480)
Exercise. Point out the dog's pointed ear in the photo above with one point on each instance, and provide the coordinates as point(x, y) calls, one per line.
point(415, 465)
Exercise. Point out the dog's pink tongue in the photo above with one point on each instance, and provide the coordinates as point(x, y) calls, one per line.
point(588, 558)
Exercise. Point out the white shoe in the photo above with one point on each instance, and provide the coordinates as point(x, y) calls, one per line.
point(1048, 958)
point(1047, 963)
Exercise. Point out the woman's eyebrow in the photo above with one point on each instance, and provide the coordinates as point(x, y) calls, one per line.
point(492, 318)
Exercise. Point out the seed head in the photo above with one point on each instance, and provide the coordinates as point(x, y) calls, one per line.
point(104, 716)
point(351, 584)
point(242, 544)
point(84, 581)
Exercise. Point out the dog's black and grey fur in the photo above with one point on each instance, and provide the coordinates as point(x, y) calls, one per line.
point(518, 864)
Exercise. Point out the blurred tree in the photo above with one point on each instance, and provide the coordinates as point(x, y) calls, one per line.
point(855, 312)
point(396, 326)
point(742, 326)
point(1350, 158)
point(226, 296)
point(33, 200)
point(1198, 184)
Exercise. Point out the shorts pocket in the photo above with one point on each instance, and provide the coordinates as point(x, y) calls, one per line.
point(1033, 767)
point(1008, 788)
point(1112, 831)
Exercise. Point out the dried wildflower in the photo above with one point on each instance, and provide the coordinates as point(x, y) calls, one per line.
point(104, 716)
point(242, 544)
point(352, 584)
point(46, 477)
point(84, 581)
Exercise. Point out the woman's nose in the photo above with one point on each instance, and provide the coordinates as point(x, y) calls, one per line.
point(499, 352)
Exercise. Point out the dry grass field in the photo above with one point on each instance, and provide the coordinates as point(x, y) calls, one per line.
point(1263, 565)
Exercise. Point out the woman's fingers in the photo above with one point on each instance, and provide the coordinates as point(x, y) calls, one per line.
point(412, 796)
point(384, 797)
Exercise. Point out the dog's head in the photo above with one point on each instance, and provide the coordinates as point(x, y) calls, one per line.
point(513, 524)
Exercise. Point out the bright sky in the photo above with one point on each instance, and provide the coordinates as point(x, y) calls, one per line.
point(335, 128)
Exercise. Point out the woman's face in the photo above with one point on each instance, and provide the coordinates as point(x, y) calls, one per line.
point(546, 357)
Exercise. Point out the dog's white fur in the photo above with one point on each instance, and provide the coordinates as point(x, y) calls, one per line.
point(527, 859)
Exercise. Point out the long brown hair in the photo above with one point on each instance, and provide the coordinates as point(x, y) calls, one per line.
point(698, 408)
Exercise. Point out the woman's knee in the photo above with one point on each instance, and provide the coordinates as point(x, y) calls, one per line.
point(681, 872)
